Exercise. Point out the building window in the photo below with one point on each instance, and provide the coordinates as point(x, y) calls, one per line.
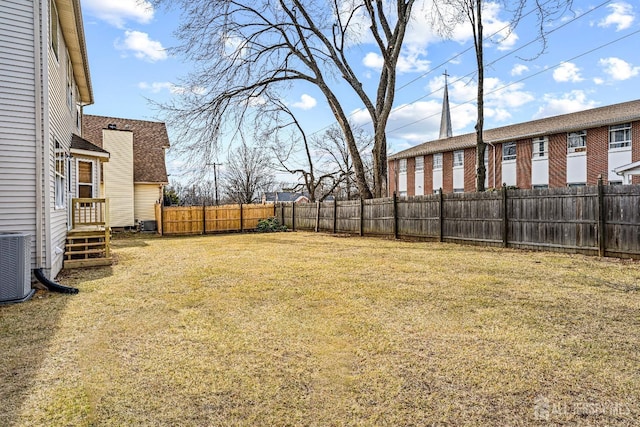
point(458, 190)
point(419, 164)
point(540, 148)
point(437, 161)
point(458, 158)
point(403, 194)
point(509, 151)
point(402, 167)
point(53, 27)
point(61, 176)
point(577, 142)
point(620, 136)
point(85, 179)
point(540, 187)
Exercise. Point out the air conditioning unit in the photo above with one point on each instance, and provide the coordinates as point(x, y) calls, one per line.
point(15, 267)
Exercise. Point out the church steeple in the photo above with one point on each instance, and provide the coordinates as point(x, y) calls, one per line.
point(445, 120)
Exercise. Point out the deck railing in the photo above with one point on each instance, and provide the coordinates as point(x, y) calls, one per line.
point(89, 213)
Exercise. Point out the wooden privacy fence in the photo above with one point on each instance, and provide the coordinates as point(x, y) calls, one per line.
point(185, 220)
point(597, 220)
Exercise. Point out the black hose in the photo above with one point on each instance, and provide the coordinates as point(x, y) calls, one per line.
point(51, 285)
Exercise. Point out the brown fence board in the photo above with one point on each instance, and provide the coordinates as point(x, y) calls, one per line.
point(562, 219)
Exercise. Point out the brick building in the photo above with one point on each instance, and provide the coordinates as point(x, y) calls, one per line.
point(566, 150)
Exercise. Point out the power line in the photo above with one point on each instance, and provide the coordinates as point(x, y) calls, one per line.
point(468, 75)
point(524, 78)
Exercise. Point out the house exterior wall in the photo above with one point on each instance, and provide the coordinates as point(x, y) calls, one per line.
point(469, 169)
point(447, 172)
point(19, 42)
point(523, 163)
point(62, 124)
point(558, 169)
point(411, 172)
point(118, 177)
point(428, 174)
point(146, 196)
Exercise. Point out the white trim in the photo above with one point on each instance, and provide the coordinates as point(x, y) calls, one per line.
point(90, 153)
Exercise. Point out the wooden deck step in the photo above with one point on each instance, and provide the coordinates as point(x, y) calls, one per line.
point(89, 262)
point(84, 244)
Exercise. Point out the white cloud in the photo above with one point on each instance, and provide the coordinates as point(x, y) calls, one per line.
point(571, 102)
point(307, 102)
point(618, 69)
point(621, 16)
point(497, 94)
point(142, 46)
point(519, 69)
point(157, 87)
point(598, 80)
point(409, 62)
point(117, 12)
point(420, 121)
point(567, 72)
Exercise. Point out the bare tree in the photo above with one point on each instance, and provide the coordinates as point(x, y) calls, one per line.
point(242, 48)
point(449, 13)
point(286, 135)
point(247, 174)
point(333, 146)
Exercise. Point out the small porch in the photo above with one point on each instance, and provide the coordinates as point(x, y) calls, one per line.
point(88, 239)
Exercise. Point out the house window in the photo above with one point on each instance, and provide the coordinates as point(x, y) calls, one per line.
point(53, 27)
point(402, 168)
point(509, 151)
point(437, 161)
point(60, 176)
point(85, 180)
point(458, 190)
point(419, 164)
point(458, 158)
point(577, 141)
point(540, 148)
point(620, 136)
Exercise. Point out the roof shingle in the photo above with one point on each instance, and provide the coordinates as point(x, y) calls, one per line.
point(611, 114)
point(149, 141)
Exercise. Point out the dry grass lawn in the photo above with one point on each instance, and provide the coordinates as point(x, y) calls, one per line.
point(312, 329)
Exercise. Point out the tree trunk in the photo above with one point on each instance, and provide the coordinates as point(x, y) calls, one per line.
point(480, 145)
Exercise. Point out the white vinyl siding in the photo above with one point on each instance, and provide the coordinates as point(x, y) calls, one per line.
point(118, 177)
point(17, 119)
point(146, 196)
point(62, 123)
point(419, 176)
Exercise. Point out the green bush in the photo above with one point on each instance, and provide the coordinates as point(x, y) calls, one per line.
point(270, 225)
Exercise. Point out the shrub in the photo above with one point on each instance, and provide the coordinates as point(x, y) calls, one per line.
point(270, 225)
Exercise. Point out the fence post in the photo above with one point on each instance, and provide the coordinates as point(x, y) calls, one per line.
point(601, 219)
point(395, 215)
point(505, 219)
point(440, 216)
point(161, 227)
point(335, 214)
point(361, 217)
point(317, 215)
point(204, 218)
point(241, 219)
point(293, 216)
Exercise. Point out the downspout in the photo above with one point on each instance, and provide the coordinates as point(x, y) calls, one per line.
point(39, 140)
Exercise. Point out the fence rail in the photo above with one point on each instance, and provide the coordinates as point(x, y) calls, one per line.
point(596, 220)
point(187, 220)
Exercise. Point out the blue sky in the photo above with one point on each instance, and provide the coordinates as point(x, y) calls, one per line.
point(592, 59)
